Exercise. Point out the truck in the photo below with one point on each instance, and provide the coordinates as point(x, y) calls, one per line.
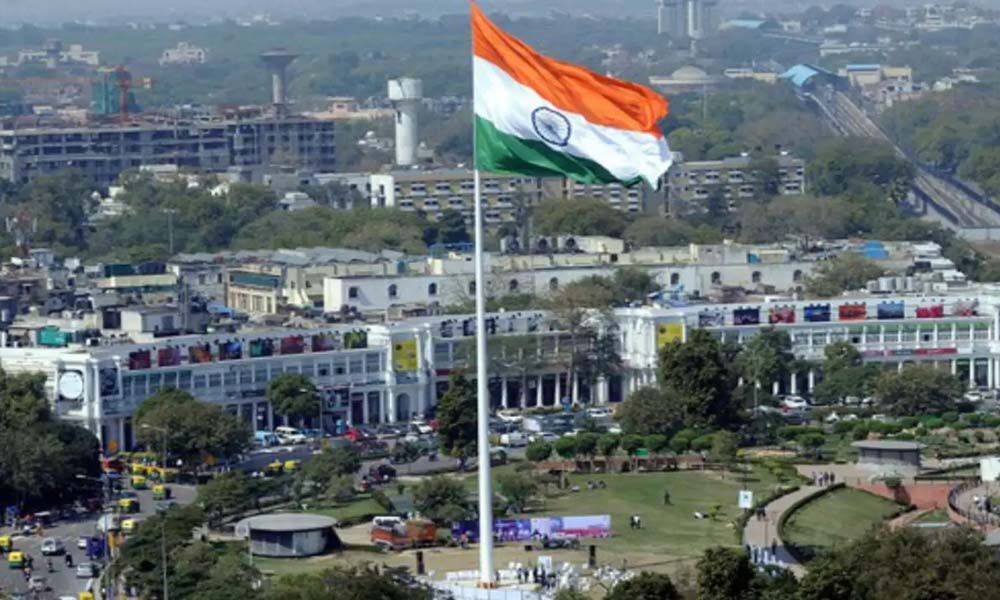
point(390, 534)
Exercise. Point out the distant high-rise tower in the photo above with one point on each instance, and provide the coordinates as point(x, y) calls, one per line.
point(693, 19)
point(405, 94)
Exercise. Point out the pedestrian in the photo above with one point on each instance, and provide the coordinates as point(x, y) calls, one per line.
point(534, 575)
point(638, 522)
point(774, 547)
point(666, 497)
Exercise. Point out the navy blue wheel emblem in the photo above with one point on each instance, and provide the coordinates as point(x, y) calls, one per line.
point(552, 126)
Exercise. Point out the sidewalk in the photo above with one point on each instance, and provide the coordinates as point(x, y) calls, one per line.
point(761, 533)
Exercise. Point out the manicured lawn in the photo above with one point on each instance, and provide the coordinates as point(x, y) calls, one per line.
point(362, 506)
point(834, 518)
point(670, 531)
point(934, 516)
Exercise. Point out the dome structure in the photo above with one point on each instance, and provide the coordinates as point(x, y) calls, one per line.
point(691, 74)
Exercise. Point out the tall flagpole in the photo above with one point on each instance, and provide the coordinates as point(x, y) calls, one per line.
point(482, 383)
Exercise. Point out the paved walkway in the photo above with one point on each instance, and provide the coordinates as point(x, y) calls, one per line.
point(762, 532)
point(966, 502)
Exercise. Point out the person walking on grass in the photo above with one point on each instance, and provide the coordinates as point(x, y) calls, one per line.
point(666, 497)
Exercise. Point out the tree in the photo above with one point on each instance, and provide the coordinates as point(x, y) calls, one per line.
point(440, 499)
point(586, 445)
point(566, 447)
point(538, 451)
point(632, 443)
point(918, 390)
point(362, 582)
point(451, 228)
point(579, 217)
point(633, 285)
point(843, 161)
point(517, 488)
point(811, 442)
point(647, 411)
point(607, 445)
point(294, 396)
point(227, 494)
point(765, 358)
point(907, 563)
point(725, 574)
point(328, 468)
point(195, 431)
point(845, 273)
point(168, 533)
point(698, 382)
point(656, 443)
point(725, 445)
point(456, 415)
point(645, 586)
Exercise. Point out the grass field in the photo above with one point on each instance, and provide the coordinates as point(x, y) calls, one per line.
point(834, 518)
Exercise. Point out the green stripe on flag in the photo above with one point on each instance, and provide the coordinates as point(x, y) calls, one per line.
point(500, 152)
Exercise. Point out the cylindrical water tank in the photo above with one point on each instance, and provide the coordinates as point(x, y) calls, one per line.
point(405, 94)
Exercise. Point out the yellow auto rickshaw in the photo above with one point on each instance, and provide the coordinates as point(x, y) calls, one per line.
point(139, 482)
point(129, 525)
point(6, 543)
point(128, 505)
point(15, 560)
point(275, 468)
point(162, 492)
point(138, 469)
point(84, 596)
point(292, 465)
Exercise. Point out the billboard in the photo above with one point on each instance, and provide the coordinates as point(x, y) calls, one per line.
point(817, 313)
point(711, 318)
point(781, 314)
point(538, 528)
point(891, 310)
point(669, 332)
point(404, 355)
point(746, 316)
point(852, 312)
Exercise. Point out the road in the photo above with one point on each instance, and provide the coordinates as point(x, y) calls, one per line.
point(63, 580)
point(962, 209)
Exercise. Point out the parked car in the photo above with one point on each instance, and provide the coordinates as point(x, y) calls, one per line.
point(510, 416)
point(513, 440)
point(544, 436)
point(290, 435)
point(86, 570)
point(599, 412)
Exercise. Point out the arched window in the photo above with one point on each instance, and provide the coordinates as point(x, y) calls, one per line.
point(393, 291)
point(755, 277)
point(716, 278)
point(554, 284)
point(432, 289)
point(797, 276)
point(675, 278)
point(512, 286)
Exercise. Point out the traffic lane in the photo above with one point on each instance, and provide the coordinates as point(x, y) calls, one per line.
point(62, 580)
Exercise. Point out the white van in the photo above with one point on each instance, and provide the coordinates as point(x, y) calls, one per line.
point(290, 435)
point(387, 521)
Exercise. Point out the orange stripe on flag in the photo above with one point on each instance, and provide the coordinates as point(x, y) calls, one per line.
point(599, 99)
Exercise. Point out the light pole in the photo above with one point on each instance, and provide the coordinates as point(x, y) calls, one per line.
point(163, 518)
point(170, 227)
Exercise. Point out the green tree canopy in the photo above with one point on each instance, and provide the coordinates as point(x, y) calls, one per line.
point(647, 411)
point(696, 376)
point(441, 499)
point(293, 395)
point(918, 390)
point(645, 586)
point(845, 273)
point(579, 217)
point(456, 416)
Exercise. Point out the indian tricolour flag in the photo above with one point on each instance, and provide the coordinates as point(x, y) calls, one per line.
point(539, 116)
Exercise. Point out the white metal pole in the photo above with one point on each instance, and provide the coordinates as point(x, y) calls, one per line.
point(483, 409)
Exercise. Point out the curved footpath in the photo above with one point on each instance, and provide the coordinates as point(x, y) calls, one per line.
point(761, 533)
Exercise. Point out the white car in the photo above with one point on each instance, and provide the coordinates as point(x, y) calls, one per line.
point(52, 546)
point(290, 435)
point(599, 412)
point(509, 416)
point(513, 440)
point(545, 436)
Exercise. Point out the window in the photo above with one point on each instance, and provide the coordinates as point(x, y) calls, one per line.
point(352, 292)
point(393, 291)
point(512, 286)
point(472, 287)
point(675, 278)
point(716, 278)
point(432, 289)
point(554, 284)
point(797, 276)
point(755, 276)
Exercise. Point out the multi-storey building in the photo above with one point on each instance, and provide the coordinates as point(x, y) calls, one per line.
point(387, 373)
point(31, 147)
point(690, 184)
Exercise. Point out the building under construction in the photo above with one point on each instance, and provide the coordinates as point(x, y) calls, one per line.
point(107, 144)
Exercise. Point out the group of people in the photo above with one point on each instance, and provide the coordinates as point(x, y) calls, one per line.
point(824, 478)
point(763, 555)
point(537, 576)
point(596, 485)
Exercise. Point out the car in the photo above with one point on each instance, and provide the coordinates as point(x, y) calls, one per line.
point(513, 440)
point(544, 436)
point(38, 584)
point(510, 416)
point(290, 435)
point(82, 542)
point(599, 412)
point(52, 547)
point(86, 570)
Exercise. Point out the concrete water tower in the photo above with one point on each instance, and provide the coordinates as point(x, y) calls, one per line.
point(405, 94)
point(277, 62)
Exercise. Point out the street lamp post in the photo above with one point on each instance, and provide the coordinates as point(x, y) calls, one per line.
point(163, 518)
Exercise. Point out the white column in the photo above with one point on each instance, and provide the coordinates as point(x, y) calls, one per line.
point(954, 367)
point(793, 383)
point(390, 402)
point(603, 390)
point(558, 394)
point(121, 435)
point(989, 373)
point(538, 391)
point(812, 379)
point(972, 371)
point(365, 411)
point(504, 400)
point(576, 389)
point(775, 388)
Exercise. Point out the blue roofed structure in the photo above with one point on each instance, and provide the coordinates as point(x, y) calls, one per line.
point(802, 75)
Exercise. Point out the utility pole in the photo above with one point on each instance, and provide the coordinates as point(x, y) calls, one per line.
point(170, 229)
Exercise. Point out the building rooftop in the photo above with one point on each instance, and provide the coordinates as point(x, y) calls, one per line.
point(289, 522)
point(887, 445)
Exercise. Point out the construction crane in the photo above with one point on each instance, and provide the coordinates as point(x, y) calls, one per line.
point(122, 79)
